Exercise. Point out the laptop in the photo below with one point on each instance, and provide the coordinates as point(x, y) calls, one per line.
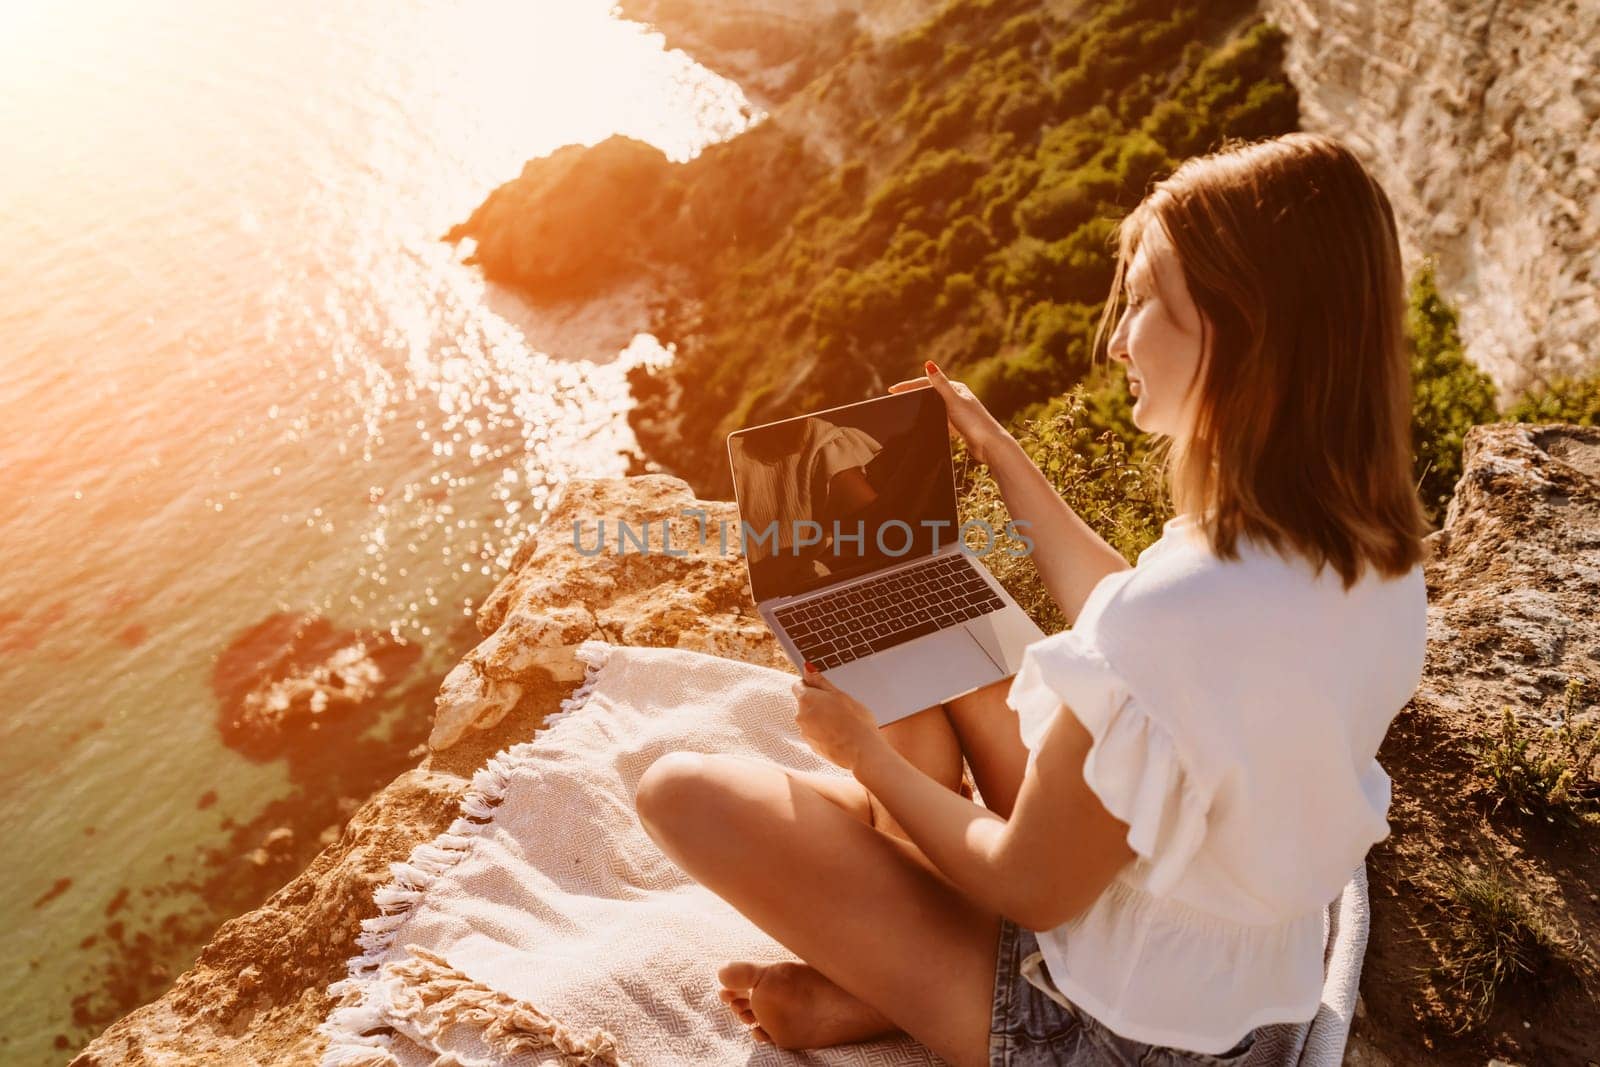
point(849, 530)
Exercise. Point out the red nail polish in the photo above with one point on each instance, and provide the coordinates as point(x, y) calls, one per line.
point(930, 366)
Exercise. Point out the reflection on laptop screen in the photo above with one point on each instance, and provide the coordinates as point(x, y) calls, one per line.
point(829, 496)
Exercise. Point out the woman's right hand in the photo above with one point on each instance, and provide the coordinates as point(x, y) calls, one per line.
point(966, 413)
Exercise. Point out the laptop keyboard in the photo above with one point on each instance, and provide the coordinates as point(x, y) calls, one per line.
point(844, 626)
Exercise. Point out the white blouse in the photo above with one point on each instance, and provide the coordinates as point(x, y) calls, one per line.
point(1236, 708)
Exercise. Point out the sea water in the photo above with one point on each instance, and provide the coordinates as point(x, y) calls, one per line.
point(242, 376)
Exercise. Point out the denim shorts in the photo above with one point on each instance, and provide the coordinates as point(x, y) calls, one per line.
point(1029, 1029)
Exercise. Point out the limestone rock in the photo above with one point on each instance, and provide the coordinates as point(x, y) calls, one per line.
point(1479, 118)
point(1515, 574)
point(1513, 580)
point(562, 592)
point(280, 681)
point(255, 994)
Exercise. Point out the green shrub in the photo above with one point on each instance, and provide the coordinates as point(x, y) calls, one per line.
point(963, 245)
point(1023, 110)
point(1547, 770)
point(1070, 270)
point(1566, 399)
point(947, 126)
point(1119, 493)
point(1449, 394)
point(1139, 159)
point(956, 56)
point(1074, 90)
point(852, 178)
point(958, 294)
point(1019, 31)
point(1055, 208)
point(933, 178)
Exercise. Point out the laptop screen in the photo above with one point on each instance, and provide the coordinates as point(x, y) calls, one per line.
point(836, 494)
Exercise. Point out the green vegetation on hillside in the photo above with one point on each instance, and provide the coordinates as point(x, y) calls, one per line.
point(1449, 394)
point(985, 158)
point(994, 146)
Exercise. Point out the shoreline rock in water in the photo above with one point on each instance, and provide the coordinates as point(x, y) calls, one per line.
point(1527, 520)
point(585, 220)
point(279, 682)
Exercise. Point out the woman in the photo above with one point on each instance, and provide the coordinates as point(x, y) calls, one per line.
point(1178, 785)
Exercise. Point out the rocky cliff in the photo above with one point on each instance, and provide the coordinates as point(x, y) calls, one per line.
point(1513, 580)
point(1479, 118)
point(255, 994)
point(769, 47)
point(588, 219)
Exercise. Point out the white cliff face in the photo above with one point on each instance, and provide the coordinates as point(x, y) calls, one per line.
point(1481, 118)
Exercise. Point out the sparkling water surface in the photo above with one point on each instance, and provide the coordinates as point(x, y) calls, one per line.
point(243, 376)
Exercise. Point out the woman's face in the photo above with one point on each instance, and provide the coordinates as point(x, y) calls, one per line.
point(1159, 338)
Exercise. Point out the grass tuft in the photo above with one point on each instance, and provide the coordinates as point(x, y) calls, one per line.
point(1497, 936)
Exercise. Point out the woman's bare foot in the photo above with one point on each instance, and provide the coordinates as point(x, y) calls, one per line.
point(792, 1005)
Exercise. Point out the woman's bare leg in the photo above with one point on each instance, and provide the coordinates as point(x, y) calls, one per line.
point(929, 742)
point(793, 1003)
point(853, 902)
point(988, 733)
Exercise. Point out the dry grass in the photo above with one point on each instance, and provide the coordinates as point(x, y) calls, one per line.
point(1496, 935)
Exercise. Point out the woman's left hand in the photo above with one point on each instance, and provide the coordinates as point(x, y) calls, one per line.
point(836, 725)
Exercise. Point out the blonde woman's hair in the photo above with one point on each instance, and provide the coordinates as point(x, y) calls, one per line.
point(1301, 435)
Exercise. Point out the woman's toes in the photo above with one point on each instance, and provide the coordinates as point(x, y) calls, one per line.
point(737, 979)
point(781, 1000)
point(791, 1005)
point(740, 975)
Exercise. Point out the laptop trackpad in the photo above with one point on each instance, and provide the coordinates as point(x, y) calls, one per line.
point(918, 674)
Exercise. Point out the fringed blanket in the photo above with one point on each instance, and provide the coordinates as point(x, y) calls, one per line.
point(543, 927)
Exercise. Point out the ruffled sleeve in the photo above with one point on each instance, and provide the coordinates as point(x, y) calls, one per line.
point(843, 447)
point(1133, 766)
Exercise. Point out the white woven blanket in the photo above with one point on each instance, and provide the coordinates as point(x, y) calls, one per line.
point(545, 928)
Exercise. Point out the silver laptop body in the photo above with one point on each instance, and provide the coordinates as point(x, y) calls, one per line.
point(901, 622)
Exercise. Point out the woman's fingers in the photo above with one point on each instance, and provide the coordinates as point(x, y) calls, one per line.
point(919, 383)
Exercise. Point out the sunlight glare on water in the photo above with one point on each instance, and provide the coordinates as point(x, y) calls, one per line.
point(243, 375)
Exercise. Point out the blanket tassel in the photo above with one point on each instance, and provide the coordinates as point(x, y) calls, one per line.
point(355, 1029)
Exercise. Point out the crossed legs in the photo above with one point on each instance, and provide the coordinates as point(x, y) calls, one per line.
point(889, 943)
